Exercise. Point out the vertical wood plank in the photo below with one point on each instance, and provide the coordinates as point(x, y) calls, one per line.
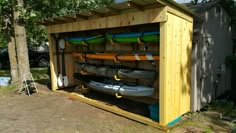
point(178, 64)
point(173, 43)
point(169, 87)
point(162, 84)
point(125, 19)
point(175, 64)
point(52, 62)
point(69, 68)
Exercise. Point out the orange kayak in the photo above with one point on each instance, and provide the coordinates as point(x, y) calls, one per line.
point(118, 57)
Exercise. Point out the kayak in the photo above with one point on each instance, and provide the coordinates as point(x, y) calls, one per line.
point(113, 87)
point(121, 73)
point(134, 37)
point(118, 57)
point(86, 40)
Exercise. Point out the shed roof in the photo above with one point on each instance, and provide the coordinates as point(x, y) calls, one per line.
point(114, 9)
point(202, 7)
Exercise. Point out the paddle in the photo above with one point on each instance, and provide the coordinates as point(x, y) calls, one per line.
point(59, 78)
point(62, 47)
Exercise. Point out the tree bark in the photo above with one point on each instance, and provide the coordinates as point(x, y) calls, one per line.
point(21, 43)
point(13, 59)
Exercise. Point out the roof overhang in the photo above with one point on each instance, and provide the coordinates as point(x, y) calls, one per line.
point(114, 9)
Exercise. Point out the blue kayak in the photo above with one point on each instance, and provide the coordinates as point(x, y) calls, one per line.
point(86, 40)
point(134, 37)
point(133, 34)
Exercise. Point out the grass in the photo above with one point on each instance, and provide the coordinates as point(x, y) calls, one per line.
point(193, 123)
point(4, 73)
point(39, 75)
point(205, 128)
point(223, 106)
point(203, 122)
point(7, 89)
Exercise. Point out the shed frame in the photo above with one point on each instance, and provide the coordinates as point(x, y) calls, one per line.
point(176, 26)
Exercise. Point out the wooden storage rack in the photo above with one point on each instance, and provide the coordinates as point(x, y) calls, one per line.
point(174, 23)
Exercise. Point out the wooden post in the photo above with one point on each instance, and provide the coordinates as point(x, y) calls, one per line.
point(52, 62)
point(175, 60)
point(162, 88)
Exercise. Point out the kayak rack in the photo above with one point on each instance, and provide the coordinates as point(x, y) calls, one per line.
point(133, 37)
point(113, 86)
point(170, 52)
point(115, 72)
point(86, 40)
point(116, 38)
point(117, 57)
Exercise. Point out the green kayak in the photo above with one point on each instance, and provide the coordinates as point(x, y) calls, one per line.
point(134, 37)
point(86, 40)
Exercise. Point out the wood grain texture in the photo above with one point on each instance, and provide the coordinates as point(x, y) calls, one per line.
point(180, 14)
point(175, 64)
point(172, 87)
point(128, 19)
point(52, 62)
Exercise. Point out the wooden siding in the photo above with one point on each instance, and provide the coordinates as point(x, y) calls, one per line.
point(175, 64)
point(213, 45)
point(172, 87)
point(180, 14)
point(128, 19)
point(52, 62)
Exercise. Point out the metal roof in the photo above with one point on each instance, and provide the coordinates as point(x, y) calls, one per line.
point(113, 9)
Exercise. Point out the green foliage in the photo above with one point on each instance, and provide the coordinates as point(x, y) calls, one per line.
point(3, 41)
point(40, 9)
point(5, 73)
point(223, 106)
point(233, 127)
point(37, 10)
point(8, 89)
point(191, 123)
point(6, 25)
point(51, 8)
point(38, 73)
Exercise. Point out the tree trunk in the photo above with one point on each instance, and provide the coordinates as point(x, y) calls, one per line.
point(13, 59)
point(21, 43)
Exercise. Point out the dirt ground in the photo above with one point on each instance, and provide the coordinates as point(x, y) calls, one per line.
point(50, 112)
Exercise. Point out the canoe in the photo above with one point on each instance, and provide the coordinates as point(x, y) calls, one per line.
point(117, 57)
point(111, 72)
point(113, 87)
point(134, 37)
point(86, 40)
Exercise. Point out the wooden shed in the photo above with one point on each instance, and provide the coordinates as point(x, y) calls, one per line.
point(169, 57)
point(211, 76)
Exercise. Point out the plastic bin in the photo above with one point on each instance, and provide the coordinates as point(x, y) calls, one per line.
point(119, 1)
point(4, 81)
point(154, 111)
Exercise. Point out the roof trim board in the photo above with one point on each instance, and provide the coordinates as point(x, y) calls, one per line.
point(114, 9)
